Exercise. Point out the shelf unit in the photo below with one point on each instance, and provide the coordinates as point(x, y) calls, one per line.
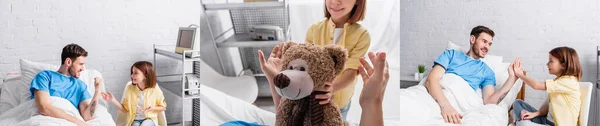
point(178, 87)
point(243, 15)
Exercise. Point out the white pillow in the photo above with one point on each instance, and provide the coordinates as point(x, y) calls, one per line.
point(29, 69)
point(451, 46)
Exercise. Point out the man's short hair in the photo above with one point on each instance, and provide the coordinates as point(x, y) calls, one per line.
point(72, 51)
point(479, 29)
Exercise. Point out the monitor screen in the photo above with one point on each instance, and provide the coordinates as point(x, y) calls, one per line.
point(186, 38)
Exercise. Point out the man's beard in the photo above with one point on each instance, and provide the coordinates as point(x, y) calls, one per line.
point(72, 73)
point(477, 51)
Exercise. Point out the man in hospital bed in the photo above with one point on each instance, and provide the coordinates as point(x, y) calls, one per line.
point(64, 83)
point(371, 98)
point(469, 67)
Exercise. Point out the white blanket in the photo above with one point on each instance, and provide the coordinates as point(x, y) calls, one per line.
point(26, 114)
point(418, 107)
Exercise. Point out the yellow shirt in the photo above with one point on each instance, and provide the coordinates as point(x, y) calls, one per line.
point(152, 97)
point(354, 38)
point(563, 95)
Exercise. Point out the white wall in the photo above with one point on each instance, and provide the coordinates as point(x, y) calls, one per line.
point(116, 33)
point(525, 29)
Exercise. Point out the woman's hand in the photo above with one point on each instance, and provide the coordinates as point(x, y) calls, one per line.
point(375, 79)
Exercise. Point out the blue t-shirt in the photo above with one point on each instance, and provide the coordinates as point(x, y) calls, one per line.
point(475, 72)
point(59, 85)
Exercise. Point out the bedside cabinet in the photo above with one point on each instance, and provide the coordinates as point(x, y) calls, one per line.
point(408, 81)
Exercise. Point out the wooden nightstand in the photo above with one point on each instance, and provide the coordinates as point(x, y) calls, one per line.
point(408, 81)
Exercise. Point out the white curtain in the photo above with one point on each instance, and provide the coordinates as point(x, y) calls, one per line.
point(382, 20)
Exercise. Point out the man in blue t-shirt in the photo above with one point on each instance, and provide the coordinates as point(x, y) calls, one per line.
point(64, 83)
point(469, 67)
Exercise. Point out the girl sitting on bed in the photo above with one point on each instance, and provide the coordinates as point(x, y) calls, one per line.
point(142, 101)
point(563, 103)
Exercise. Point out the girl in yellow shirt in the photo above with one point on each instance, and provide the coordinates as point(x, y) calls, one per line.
point(142, 100)
point(563, 103)
point(341, 28)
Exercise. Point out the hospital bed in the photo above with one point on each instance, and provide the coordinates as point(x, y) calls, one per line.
point(16, 107)
point(420, 109)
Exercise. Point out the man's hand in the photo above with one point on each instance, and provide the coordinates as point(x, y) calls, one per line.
point(97, 82)
point(450, 115)
point(511, 69)
point(375, 81)
point(525, 115)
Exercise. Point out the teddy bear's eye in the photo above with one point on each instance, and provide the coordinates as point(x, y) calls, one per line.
point(291, 68)
point(302, 69)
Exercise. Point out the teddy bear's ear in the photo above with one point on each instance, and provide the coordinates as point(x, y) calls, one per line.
point(288, 45)
point(339, 56)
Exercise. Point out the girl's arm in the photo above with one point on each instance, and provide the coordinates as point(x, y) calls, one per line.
point(530, 81)
point(119, 105)
point(157, 108)
point(345, 79)
point(544, 109)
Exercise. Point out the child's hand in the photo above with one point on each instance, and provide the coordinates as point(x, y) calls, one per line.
point(107, 96)
point(525, 115)
point(517, 68)
point(150, 108)
point(325, 98)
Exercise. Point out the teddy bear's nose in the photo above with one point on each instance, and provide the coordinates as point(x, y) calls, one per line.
point(281, 81)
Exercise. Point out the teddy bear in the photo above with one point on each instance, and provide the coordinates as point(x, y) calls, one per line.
point(306, 67)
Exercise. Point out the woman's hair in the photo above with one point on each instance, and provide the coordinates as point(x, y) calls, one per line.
point(148, 71)
point(357, 13)
point(569, 59)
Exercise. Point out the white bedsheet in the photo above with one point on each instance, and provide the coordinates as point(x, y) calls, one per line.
point(26, 114)
point(418, 107)
point(218, 108)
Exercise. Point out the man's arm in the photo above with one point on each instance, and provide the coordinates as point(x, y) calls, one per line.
point(490, 96)
point(345, 79)
point(435, 88)
point(87, 108)
point(42, 100)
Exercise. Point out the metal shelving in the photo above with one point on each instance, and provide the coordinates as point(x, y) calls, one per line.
point(247, 5)
point(178, 87)
point(243, 15)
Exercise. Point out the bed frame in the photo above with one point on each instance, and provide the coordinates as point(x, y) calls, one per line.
point(521, 94)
